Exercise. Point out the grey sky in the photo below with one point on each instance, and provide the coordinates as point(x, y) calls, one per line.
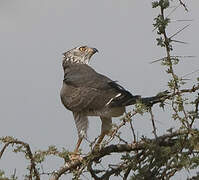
point(33, 36)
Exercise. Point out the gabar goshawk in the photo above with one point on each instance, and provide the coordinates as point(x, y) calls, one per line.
point(88, 93)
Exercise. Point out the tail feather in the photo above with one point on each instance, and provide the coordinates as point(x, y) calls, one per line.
point(125, 98)
point(131, 100)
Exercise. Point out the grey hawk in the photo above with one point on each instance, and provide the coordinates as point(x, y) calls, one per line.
point(88, 93)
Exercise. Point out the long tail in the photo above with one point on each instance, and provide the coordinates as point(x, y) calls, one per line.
point(125, 98)
point(128, 99)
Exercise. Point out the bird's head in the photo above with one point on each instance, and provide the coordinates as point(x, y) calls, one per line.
point(80, 54)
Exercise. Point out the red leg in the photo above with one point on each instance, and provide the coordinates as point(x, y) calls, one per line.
point(75, 155)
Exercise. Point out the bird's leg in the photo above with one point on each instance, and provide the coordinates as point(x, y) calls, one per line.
point(77, 145)
point(75, 155)
point(100, 139)
point(105, 128)
point(81, 122)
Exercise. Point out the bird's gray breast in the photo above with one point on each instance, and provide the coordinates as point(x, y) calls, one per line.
point(71, 97)
point(77, 100)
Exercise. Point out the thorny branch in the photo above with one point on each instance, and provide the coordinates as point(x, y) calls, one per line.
point(150, 101)
point(176, 87)
point(125, 119)
point(183, 4)
point(153, 122)
point(107, 174)
point(28, 153)
point(164, 140)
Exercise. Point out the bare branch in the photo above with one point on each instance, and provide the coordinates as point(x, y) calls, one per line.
point(153, 122)
point(3, 149)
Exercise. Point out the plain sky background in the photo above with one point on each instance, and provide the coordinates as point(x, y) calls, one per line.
point(35, 33)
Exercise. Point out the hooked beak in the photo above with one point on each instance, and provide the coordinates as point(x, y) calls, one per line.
point(91, 52)
point(94, 50)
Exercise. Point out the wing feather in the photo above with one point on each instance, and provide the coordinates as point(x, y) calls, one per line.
point(86, 90)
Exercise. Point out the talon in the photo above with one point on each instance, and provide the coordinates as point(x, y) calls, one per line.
point(75, 157)
point(96, 148)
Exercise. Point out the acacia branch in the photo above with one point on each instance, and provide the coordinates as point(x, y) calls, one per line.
point(28, 153)
point(183, 4)
point(3, 149)
point(150, 101)
point(153, 122)
point(107, 173)
point(164, 140)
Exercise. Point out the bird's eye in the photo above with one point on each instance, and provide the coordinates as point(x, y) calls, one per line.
point(83, 48)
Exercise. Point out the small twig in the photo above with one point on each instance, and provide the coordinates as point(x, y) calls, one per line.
point(114, 132)
point(131, 124)
point(153, 122)
point(133, 131)
point(127, 173)
point(14, 174)
point(183, 4)
point(107, 175)
point(46, 173)
point(196, 110)
point(120, 139)
point(81, 169)
point(93, 173)
point(171, 173)
point(3, 149)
